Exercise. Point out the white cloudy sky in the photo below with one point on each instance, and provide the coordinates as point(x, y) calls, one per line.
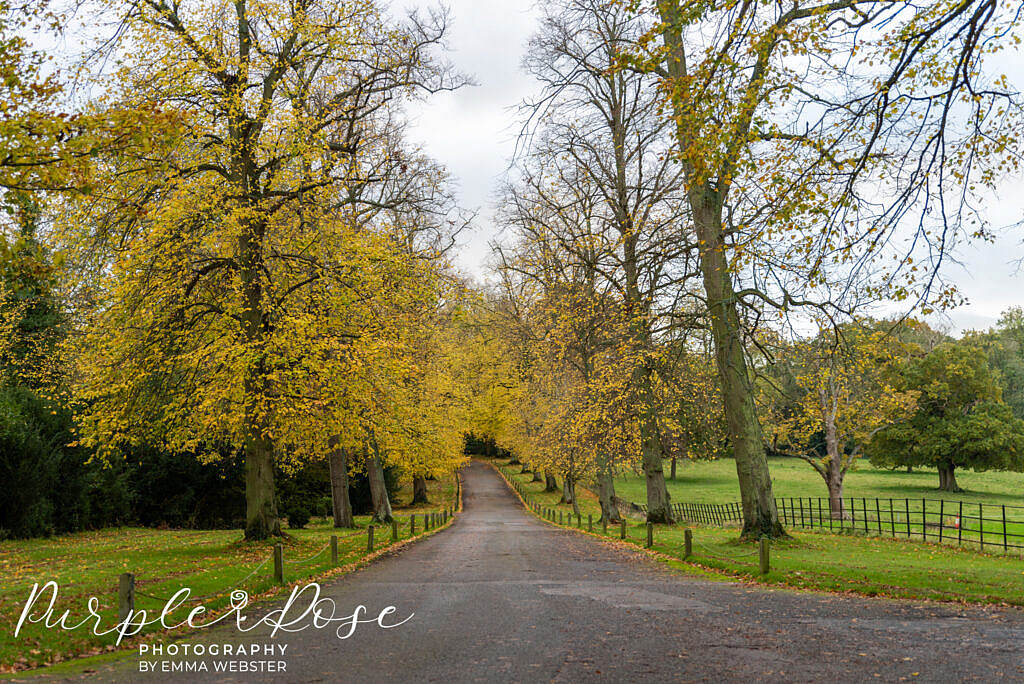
point(472, 132)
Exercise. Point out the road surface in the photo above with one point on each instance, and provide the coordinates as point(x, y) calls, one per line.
point(503, 597)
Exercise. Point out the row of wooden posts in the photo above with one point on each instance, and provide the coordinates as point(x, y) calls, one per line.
point(126, 584)
point(561, 518)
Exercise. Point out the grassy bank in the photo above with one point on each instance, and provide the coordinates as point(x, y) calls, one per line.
point(207, 561)
point(845, 563)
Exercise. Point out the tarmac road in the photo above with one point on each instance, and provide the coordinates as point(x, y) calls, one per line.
point(501, 596)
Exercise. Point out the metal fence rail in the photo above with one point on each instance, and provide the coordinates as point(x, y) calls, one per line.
point(991, 527)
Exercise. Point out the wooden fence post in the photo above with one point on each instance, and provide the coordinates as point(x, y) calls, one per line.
point(650, 534)
point(687, 543)
point(764, 556)
point(369, 538)
point(334, 549)
point(125, 596)
point(622, 529)
point(590, 522)
point(278, 563)
point(604, 525)
point(412, 525)
point(394, 529)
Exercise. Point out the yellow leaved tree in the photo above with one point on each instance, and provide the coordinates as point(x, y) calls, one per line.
point(237, 266)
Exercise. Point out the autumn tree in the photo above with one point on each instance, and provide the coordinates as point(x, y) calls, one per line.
point(813, 137)
point(227, 259)
point(594, 139)
point(692, 426)
point(829, 394)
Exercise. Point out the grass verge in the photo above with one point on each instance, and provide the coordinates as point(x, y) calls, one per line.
point(842, 563)
point(88, 564)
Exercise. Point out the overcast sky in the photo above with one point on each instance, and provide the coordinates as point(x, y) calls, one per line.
point(472, 131)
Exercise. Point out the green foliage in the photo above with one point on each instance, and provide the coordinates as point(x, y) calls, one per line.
point(961, 420)
point(1005, 348)
point(483, 445)
point(298, 517)
point(178, 490)
point(359, 489)
point(49, 487)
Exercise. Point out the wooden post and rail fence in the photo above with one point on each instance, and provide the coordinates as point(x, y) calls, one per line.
point(127, 592)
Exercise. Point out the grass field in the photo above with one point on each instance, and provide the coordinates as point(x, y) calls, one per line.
point(715, 482)
point(207, 561)
point(846, 563)
point(883, 502)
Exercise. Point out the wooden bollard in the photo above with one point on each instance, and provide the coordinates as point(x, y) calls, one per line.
point(579, 521)
point(604, 524)
point(650, 534)
point(590, 522)
point(334, 549)
point(394, 529)
point(764, 556)
point(560, 515)
point(125, 596)
point(369, 538)
point(278, 563)
point(412, 525)
point(426, 522)
point(687, 543)
point(622, 529)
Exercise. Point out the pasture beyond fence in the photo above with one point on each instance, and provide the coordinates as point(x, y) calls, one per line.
point(990, 527)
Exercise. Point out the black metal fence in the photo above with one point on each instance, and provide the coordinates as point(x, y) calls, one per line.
point(991, 527)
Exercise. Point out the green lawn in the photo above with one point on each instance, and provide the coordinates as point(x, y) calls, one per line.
point(847, 563)
point(207, 561)
point(715, 482)
point(882, 502)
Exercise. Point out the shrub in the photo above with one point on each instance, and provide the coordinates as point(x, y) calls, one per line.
point(298, 517)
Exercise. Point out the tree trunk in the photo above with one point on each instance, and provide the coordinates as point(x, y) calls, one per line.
point(834, 467)
point(342, 506)
point(261, 519)
point(569, 493)
point(537, 476)
point(659, 509)
point(652, 456)
point(705, 196)
point(760, 517)
point(606, 495)
point(419, 490)
point(550, 483)
point(947, 478)
point(378, 490)
point(672, 474)
point(568, 490)
point(260, 505)
point(834, 482)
